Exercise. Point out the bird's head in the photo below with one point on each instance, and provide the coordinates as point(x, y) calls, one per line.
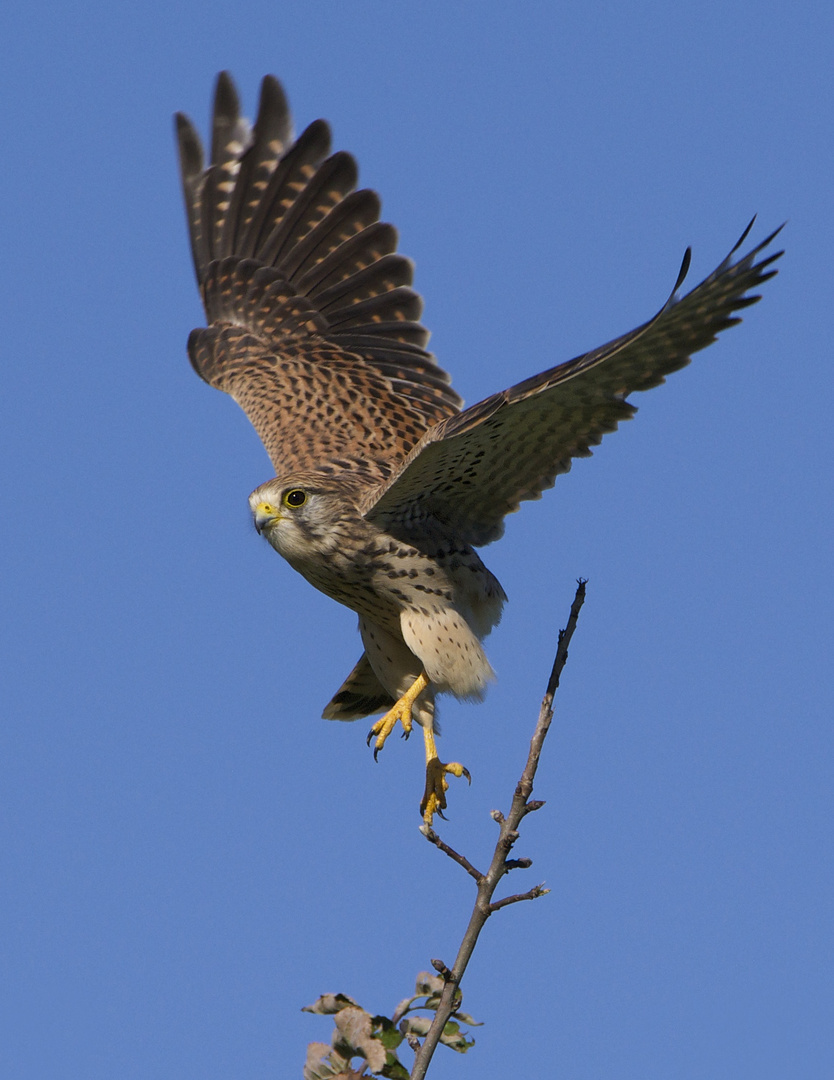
point(298, 515)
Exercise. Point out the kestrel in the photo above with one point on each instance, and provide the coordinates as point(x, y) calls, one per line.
point(384, 487)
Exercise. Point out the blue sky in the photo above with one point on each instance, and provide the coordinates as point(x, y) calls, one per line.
point(189, 854)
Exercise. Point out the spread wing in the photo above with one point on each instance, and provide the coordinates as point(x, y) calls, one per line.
point(472, 469)
point(314, 329)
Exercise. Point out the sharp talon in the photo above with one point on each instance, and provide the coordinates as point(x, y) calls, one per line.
point(376, 752)
point(434, 797)
point(400, 713)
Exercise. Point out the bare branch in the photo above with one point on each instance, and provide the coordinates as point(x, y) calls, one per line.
point(531, 894)
point(461, 860)
point(488, 883)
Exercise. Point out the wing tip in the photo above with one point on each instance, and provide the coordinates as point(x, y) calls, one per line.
point(190, 147)
point(226, 106)
point(684, 270)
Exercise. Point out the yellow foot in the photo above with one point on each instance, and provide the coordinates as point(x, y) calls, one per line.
point(400, 712)
point(434, 797)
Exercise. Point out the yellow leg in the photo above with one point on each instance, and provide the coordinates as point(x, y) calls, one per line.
point(401, 711)
point(434, 797)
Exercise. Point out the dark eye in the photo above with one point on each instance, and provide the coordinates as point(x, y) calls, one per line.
point(295, 497)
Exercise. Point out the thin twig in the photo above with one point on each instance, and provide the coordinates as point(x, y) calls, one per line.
point(531, 894)
point(461, 860)
point(488, 883)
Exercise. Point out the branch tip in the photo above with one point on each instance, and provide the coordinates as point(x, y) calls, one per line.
point(531, 894)
point(500, 865)
point(441, 969)
point(518, 864)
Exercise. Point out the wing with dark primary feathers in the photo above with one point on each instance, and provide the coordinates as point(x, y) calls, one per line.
point(472, 469)
point(314, 329)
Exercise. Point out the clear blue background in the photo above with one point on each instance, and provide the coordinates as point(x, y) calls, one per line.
point(190, 854)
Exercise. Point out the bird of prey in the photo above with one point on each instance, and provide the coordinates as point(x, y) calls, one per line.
point(385, 486)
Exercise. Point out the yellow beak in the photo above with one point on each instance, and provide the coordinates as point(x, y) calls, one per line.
point(265, 515)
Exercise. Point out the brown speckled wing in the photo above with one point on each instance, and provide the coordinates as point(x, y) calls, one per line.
point(314, 329)
point(471, 470)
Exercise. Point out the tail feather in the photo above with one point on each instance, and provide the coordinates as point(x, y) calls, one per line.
point(361, 694)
